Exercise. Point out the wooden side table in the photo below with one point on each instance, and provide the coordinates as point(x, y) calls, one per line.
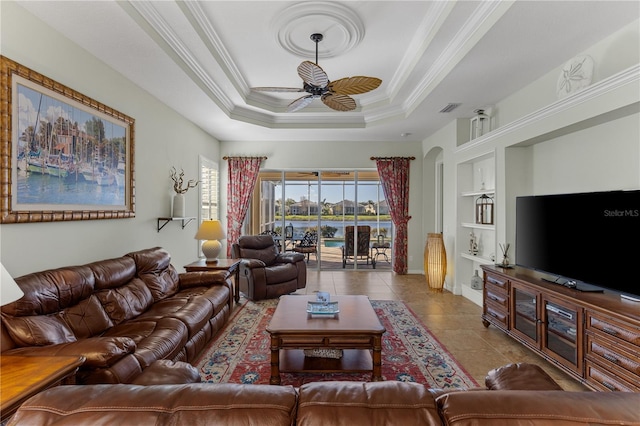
point(232, 266)
point(25, 376)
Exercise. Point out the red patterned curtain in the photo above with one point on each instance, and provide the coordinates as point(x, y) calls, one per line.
point(394, 176)
point(243, 174)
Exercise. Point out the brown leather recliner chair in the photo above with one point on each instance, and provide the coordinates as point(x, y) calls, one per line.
point(265, 273)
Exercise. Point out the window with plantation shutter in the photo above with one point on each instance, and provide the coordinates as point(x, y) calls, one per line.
point(209, 190)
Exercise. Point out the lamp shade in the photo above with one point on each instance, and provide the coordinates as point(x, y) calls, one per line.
point(211, 232)
point(9, 290)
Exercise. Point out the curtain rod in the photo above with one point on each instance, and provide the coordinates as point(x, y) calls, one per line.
point(391, 158)
point(231, 158)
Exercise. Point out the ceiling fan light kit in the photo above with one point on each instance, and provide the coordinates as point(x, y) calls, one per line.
point(334, 94)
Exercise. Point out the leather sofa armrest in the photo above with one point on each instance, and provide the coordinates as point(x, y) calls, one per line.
point(166, 372)
point(202, 278)
point(253, 263)
point(289, 258)
point(99, 352)
point(520, 376)
point(538, 407)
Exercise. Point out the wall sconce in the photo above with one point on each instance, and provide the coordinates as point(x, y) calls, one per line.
point(9, 289)
point(211, 232)
point(484, 210)
point(435, 261)
point(479, 124)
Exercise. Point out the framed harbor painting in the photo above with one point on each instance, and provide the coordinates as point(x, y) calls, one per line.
point(63, 155)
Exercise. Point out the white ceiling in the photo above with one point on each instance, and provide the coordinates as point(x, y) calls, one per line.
point(202, 57)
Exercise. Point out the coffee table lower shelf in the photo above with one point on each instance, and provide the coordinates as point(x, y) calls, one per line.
point(352, 361)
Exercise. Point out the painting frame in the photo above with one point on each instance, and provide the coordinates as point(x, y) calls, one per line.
point(15, 77)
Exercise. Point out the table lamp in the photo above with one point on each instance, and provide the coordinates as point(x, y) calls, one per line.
point(9, 290)
point(211, 232)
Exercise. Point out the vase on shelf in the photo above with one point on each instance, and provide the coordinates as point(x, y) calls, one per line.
point(178, 206)
point(505, 254)
point(476, 281)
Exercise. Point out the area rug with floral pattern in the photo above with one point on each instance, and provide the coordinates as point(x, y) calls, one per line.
point(240, 353)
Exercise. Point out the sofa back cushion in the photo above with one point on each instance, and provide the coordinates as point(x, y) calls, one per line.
point(154, 268)
point(51, 291)
point(190, 404)
point(359, 403)
point(37, 319)
point(38, 330)
point(127, 301)
point(88, 318)
point(113, 273)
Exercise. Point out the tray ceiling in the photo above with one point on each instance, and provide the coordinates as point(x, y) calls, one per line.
point(201, 58)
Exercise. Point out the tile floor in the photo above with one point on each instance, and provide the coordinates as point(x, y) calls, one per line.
point(454, 320)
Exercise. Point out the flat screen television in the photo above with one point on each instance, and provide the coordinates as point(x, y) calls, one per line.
point(582, 240)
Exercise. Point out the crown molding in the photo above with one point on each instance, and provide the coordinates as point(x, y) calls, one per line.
point(588, 94)
point(203, 26)
point(478, 24)
point(159, 30)
point(438, 13)
point(337, 120)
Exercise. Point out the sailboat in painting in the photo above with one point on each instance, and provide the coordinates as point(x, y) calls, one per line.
point(120, 173)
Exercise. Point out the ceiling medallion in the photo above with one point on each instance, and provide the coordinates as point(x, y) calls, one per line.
point(342, 27)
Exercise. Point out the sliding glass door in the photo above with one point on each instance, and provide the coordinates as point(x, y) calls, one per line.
point(301, 206)
point(341, 207)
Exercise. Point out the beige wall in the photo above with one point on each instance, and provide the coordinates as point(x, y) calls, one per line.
point(586, 142)
point(161, 137)
point(346, 155)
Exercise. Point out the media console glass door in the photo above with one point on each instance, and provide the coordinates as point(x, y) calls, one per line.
point(561, 337)
point(525, 314)
point(552, 326)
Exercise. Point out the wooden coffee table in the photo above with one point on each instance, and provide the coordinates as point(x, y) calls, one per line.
point(356, 329)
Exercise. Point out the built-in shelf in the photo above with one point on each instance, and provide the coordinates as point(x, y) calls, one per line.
point(475, 181)
point(162, 221)
point(479, 259)
point(478, 193)
point(477, 226)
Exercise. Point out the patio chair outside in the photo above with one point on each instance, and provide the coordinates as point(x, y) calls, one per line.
point(308, 245)
point(380, 247)
point(275, 235)
point(362, 251)
point(288, 238)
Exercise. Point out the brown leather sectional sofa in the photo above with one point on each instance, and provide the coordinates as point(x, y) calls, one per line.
point(323, 403)
point(121, 314)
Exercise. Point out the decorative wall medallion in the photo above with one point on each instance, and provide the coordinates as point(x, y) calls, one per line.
point(576, 74)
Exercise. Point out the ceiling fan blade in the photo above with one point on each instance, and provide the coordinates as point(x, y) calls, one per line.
point(312, 74)
point(300, 103)
point(339, 102)
point(277, 89)
point(354, 85)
